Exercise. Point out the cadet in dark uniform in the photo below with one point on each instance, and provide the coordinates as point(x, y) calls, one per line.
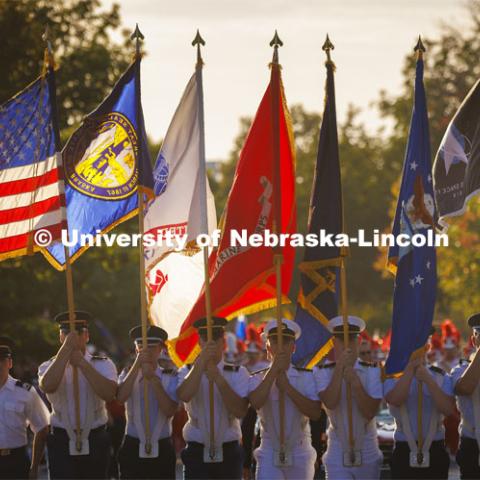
point(230, 405)
point(20, 407)
point(402, 397)
point(466, 383)
point(97, 380)
point(135, 461)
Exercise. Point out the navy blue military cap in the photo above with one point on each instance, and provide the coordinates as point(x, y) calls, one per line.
point(6, 346)
point(218, 327)
point(81, 320)
point(155, 335)
point(474, 322)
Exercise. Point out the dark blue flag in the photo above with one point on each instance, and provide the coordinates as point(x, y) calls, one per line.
point(317, 301)
point(105, 161)
point(415, 268)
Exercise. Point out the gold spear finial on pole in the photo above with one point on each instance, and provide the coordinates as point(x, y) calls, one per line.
point(419, 48)
point(137, 35)
point(48, 58)
point(275, 43)
point(199, 42)
point(327, 47)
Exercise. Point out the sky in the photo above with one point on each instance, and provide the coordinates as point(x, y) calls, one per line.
point(371, 38)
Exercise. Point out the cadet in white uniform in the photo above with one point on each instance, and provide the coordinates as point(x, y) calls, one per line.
point(408, 461)
point(136, 459)
point(340, 460)
point(254, 363)
point(466, 383)
point(224, 459)
point(297, 457)
point(97, 380)
point(20, 407)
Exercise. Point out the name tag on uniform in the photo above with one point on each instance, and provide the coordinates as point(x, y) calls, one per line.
point(352, 459)
point(148, 451)
point(212, 455)
point(420, 460)
point(79, 448)
point(282, 459)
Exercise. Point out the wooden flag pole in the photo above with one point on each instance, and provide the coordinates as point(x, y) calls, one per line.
point(137, 36)
point(327, 47)
point(198, 41)
point(50, 62)
point(71, 319)
point(343, 288)
point(278, 257)
point(420, 423)
point(419, 50)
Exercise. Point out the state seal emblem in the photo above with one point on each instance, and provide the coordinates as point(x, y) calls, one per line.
point(100, 158)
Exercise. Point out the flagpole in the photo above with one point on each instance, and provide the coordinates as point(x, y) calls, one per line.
point(137, 36)
point(50, 64)
point(419, 49)
point(327, 47)
point(277, 220)
point(198, 41)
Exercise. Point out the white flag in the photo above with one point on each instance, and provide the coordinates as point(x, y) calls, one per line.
point(174, 279)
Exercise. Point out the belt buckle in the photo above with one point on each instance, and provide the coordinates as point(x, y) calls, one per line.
point(5, 451)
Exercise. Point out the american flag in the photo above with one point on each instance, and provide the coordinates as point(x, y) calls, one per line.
point(31, 195)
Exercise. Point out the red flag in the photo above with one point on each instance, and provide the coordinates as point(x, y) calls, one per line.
point(242, 279)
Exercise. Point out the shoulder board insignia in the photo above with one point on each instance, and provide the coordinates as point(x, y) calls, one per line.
point(301, 369)
point(327, 365)
point(463, 361)
point(169, 371)
point(435, 369)
point(99, 357)
point(368, 364)
point(259, 371)
point(24, 385)
point(231, 368)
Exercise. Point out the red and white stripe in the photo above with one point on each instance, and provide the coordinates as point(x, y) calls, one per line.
point(31, 198)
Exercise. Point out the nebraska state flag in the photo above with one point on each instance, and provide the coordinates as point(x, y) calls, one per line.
point(242, 277)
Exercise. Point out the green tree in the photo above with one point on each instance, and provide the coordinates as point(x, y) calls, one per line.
point(451, 69)
point(90, 62)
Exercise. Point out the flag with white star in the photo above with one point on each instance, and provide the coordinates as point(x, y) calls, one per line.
point(414, 266)
point(457, 164)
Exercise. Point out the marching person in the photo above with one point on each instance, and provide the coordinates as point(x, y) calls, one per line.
point(253, 364)
point(136, 458)
point(466, 383)
point(71, 455)
point(224, 459)
point(341, 460)
point(401, 394)
point(297, 457)
point(20, 407)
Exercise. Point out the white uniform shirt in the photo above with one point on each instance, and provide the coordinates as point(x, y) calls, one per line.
point(20, 406)
point(370, 377)
point(227, 427)
point(169, 382)
point(412, 406)
point(297, 426)
point(464, 403)
point(63, 398)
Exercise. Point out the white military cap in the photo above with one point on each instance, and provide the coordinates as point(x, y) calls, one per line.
point(355, 325)
point(289, 329)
